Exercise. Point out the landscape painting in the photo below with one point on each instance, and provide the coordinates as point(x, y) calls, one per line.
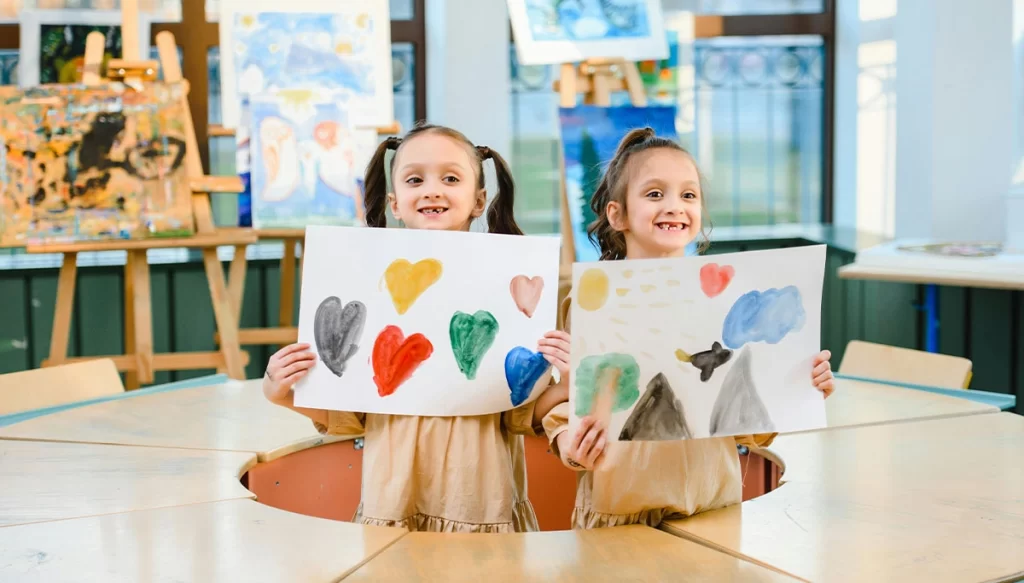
point(411, 322)
point(698, 347)
point(82, 163)
point(590, 135)
point(344, 47)
point(304, 158)
point(567, 31)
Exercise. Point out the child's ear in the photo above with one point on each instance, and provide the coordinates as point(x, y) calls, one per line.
point(480, 203)
point(616, 218)
point(393, 203)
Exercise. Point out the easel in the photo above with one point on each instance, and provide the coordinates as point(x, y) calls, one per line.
point(138, 361)
point(286, 332)
point(596, 79)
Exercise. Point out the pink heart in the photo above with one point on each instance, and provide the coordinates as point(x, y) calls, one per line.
point(526, 292)
point(714, 278)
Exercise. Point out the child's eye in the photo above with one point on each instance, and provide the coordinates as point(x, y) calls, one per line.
point(450, 179)
point(413, 180)
point(689, 195)
point(653, 194)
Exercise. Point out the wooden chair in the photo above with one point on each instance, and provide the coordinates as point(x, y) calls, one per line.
point(904, 365)
point(58, 385)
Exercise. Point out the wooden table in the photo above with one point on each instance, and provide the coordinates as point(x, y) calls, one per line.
point(233, 416)
point(237, 540)
point(625, 553)
point(42, 481)
point(861, 403)
point(939, 500)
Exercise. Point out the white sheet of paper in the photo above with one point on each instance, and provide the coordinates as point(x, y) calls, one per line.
point(695, 347)
point(458, 273)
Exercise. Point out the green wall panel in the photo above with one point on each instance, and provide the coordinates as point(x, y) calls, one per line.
point(14, 332)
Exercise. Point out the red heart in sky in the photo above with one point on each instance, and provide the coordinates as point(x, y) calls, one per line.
point(715, 278)
point(396, 357)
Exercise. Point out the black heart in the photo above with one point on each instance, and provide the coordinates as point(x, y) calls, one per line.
point(337, 331)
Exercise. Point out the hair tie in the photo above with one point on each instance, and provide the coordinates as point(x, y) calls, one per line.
point(393, 142)
point(484, 151)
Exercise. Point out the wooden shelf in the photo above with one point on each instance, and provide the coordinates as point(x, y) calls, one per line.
point(224, 237)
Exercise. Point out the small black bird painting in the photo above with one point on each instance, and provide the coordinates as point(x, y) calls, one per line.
point(706, 361)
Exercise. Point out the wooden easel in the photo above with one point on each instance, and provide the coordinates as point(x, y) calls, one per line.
point(286, 332)
point(596, 79)
point(138, 361)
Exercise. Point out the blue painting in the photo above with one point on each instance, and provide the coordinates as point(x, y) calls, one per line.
point(343, 49)
point(587, 20)
point(303, 162)
point(590, 135)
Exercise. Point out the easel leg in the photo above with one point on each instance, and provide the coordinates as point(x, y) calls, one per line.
point(62, 311)
point(287, 305)
point(131, 377)
point(224, 313)
point(236, 279)
point(142, 323)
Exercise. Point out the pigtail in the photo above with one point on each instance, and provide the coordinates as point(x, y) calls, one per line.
point(375, 185)
point(501, 216)
point(612, 243)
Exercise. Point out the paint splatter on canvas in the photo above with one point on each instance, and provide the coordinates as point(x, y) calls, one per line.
point(303, 156)
point(85, 163)
point(726, 350)
point(590, 135)
point(337, 330)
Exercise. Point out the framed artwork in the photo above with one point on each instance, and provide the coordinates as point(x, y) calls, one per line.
point(342, 46)
point(96, 162)
point(305, 161)
point(52, 43)
point(590, 135)
point(697, 347)
point(548, 32)
point(413, 322)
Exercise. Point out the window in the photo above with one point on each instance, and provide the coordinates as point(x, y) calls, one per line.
point(754, 107)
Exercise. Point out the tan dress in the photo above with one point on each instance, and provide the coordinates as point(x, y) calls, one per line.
point(646, 482)
point(443, 474)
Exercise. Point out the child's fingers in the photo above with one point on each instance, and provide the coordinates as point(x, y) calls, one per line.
point(297, 347)
point(825, 386)
point(593, 436)
point(293, 368)
point(596, 451)
point(821, 369)
point(557, 335)
point(294, 378)
point(293, 358)
point(826, 376)
point(586, 424)
point(560, 343)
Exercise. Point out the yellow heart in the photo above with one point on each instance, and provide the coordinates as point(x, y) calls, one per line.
point(407, 281)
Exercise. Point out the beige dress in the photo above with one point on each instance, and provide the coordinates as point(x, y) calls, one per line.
point(443, 474)
point(646, 482)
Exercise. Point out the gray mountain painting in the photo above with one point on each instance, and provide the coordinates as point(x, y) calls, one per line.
point(658, 415)
point(738, 409)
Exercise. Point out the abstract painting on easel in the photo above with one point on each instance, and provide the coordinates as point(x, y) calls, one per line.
point(304, 157)
point(569, 31)
point(343, 47)
point(590, 135)
point(697, 347)
point(84, 163)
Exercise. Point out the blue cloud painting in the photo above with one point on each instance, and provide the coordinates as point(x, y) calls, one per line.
point(766, 316)
point(587, 20)
point(590, 135)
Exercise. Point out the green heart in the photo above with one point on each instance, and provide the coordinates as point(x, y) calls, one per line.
point(471, 337)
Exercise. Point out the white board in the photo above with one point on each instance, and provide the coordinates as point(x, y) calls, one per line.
point(695, 347)
point(359, 283)
point(339, 45)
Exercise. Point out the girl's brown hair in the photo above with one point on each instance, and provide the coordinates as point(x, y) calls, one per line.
point(613, 188)
point(500, 217)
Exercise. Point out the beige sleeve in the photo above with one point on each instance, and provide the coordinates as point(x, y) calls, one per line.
point(555, 423)
point(757, 441)
point(342, 423)
point(520, 420)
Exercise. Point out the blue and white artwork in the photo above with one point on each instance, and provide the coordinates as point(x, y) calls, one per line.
point(568, 31)
point(590, 135)
point(343, 47)
point(303, 162)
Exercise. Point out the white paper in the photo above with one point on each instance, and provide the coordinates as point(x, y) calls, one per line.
point(547, 32)
point(654, 331)
point(473, 272)
point(30, 23)
point(303, 62)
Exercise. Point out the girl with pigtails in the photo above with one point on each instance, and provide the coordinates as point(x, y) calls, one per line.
point(440, 474)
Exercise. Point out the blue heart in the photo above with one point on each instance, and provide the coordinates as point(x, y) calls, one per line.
point(523, 368)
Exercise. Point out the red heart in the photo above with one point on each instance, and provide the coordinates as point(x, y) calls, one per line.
point(396, 357)
point(714, 278)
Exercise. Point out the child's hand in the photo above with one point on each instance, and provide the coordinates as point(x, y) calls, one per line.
point(285, 368)
point(822, 373)
point(581, 451)
point(554, 345)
